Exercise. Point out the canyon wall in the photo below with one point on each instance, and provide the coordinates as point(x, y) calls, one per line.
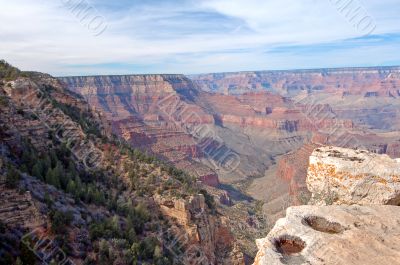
point(369, 82)
point(151, 112)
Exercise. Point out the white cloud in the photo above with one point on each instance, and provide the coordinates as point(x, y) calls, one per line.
point(237, 35)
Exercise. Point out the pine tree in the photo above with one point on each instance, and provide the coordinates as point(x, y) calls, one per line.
point(71, 168)
point(80, 189)
point(157, 253)
point(37, 170)
point(18, 261)
point(12, 178)
point(115, 225)
point(48, 200)
point(131, 235)
point(27, 158)
point(52, 178)
point(46, 164)
point(59, 172)
point(71, 187)
point(53, 158)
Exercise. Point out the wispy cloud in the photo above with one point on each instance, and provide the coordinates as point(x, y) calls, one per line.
point(187, 36)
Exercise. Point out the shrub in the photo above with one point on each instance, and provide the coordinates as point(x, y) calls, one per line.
point(59, 221)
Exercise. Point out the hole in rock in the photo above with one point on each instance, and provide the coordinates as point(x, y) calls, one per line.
point(289, 245)
point(322, 225)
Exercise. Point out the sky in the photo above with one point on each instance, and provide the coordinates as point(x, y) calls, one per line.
point(87, 37)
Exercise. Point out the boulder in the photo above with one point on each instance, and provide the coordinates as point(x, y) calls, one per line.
point(346, 176)
point(333, 235)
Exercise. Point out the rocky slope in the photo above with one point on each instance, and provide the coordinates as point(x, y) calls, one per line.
point(360, 230)
point(65, 179)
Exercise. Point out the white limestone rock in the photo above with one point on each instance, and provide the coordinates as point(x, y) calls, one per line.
point(346, 176)
point(333, 235)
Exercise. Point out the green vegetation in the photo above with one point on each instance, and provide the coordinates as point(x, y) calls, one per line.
point(59, 221)
point(12, 177)
point(209, 200)
point(3, 101)
point(124, 231)
point(8, 72)
point(83, 118)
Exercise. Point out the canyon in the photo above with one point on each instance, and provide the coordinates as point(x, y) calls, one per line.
point(249, 135)
point(216, 159)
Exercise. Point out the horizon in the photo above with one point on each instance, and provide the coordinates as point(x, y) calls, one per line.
point(95, 37)
point(391, 67)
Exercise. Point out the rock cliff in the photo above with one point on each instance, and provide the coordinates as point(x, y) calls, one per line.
point(347, 176)
point(348, 223)
point(368, 82)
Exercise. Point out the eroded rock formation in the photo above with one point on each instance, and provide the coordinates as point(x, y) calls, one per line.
point(202, 231)
point(333, 235)
point(358, 231)
point(346, 176)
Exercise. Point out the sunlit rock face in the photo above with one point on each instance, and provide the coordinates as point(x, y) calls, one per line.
point(349, 223)
point(346, 176)
point(333, 235)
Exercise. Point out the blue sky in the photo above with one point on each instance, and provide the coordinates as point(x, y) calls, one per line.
point(61, 37)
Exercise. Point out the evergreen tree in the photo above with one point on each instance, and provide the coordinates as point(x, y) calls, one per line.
point(52, 178)
point(79, 188)
point(53, 158)
point(71, 168)
point(48, 200)
point(27, 256)
point(59, 221)
point(46, 164)
point(18, 261)
point(131, 235)
point(37, 170)
point(59, 172)
point(158, 253)
point(27, 158)
point(115, 225)
point(12, 178)
point(71, 187)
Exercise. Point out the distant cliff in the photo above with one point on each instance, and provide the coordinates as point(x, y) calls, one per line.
point(374, 81)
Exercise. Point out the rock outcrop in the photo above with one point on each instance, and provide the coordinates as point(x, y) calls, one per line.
point(346, 176)
point(203, 231)
point(358, 229)
point(333, 235)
